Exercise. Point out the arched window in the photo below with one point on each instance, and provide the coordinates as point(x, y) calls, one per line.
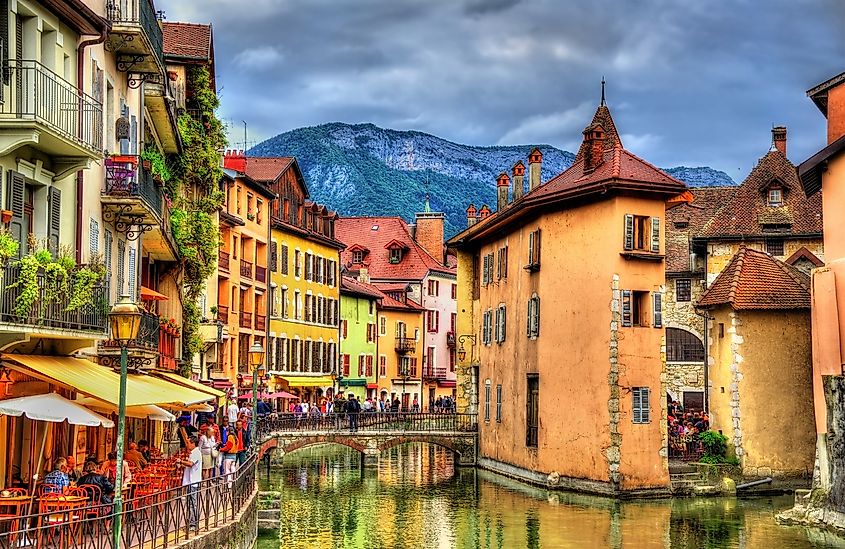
point(683, 346)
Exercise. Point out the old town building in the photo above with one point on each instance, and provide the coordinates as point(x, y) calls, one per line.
point(568, 353)
point(398, 256)
point(358, 366)
point(400, 348)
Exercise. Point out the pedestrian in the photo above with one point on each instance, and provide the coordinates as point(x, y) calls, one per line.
point(415, 405)
point(232, 412)
point(242, 434)
point(208, 449)
point(109, 470)
point(353, 408)
point(229, 452)
point(395, 406)
point(191, 478)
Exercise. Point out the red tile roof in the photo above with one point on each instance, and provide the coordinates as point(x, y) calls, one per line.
point(267, 169)
point(706, 202)
point(375, 233)
point(756, 280)
point(187, 40)
point(746, 213)
point(349, 285)
point(388, 302)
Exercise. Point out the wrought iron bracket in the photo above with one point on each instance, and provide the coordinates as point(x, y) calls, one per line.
point(134, 363)
point(117, 41)
point(138, 78)
point(127, 61)
point(129, 224)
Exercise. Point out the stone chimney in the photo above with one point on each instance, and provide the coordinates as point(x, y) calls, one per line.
point(428, 233)
point(518, 172)
point(235, 160)
point(594, 152)
point(484, 212)
point(503, 183)
point(535, 169)
point(364, 275)
point(779, 138)
point(471, 213)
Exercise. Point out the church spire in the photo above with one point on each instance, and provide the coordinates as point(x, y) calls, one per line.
point(602, 92)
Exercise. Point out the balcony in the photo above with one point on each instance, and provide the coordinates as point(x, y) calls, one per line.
point(167, 348)
point(450, 340)
point(405, 345)
point(260, 322)
point(143, 351)
point(434, 373)
point(260, 273)
point(135, 36)
point(246, 269)
point(223, 260)
point(40, 109)
point(223, 313)
point(246, 319)
point(51, 315)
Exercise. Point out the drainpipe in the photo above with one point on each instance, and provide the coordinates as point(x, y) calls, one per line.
point(80, 181)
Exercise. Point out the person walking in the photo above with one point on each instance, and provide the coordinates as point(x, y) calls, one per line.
point(229, 452)
point(208, 449)
point(191, 478)
point(242, 434)
point(353, 408)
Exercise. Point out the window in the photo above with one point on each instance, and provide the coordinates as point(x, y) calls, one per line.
point(432, 321)
point(453, 325)
point(284, 260)
point(453, 359)
point(500, 324)
point(642, 233)
point(657, 309)
point(343, 329)
point(382, 326)
point(107, 246)
point(533, 316)
point(533, 251)
point(371, 332)
point(454, 291)
point(360, 365)
point(284, 298)
point(132, 274)
point(498, 403)
point(395, 255)
point(774, 246)
point(487, 401)
point(369, 371)
point(634, 307)
point(502, 263)
point(121, 266)
point(357, 256)
point(432, 362)
point(297, 311)
point(416, 334)
point(309, 266)
point(640, 409)
point(382, 365)
point(532, 415)
point(487, 327)
point(683, 346)
point(775, 197)
point(297, 263)
point(346, 361)
point(274, 256)
point(94, 238)
point(683, 290)
point(487, 273)
point(434, 287)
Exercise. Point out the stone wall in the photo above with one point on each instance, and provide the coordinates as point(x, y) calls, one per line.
point(684, 376)
point(240, 533)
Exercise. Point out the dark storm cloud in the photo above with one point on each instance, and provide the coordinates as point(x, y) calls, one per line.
point(695, 83)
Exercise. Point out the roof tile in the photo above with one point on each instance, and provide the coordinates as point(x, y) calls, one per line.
point(191, 40)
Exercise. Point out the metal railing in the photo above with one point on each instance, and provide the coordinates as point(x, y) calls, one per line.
point(223, 313)
point(246, 319)
point(223, 260)
point(35, 93)
point(51, 311)
point(157, 521)
point(369, 422)
point(246, 268)
point(126, 176)
point(260, 322)
point(141, 13)
point(434, 373)
point(149, 335)
point(405, 344)
point(260, 273)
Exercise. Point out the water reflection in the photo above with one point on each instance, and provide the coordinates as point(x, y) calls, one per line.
point(418, 499)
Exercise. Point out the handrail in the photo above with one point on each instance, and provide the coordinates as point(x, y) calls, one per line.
point(445, 422)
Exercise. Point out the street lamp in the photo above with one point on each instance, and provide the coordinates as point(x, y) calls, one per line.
point(256, 359)
point(125, 319)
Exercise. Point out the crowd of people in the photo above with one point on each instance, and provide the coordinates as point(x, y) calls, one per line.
point(684, 428)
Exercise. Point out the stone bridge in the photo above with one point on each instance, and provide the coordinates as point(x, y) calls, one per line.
point(376, 432)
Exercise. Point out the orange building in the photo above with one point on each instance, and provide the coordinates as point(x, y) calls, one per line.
point(561, 290)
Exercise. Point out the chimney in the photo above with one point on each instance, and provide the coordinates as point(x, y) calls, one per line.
point(471, 212)
point(503, 183)
point(235, 160)
point(535, 165)
point(594, 153)
point(779, 138)
point(428, 233)
point(518, 172)
point(484, 212)
point(364, 275)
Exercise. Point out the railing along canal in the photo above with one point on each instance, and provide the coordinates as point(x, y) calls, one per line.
point(154, 519)
point(369, 422)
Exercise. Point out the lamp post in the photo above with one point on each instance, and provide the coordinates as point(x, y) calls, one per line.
point(256, 359)
point(125, 319)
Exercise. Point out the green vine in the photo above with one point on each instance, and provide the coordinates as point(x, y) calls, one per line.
point(158, 165)
point(8, 245)
point(82, 286)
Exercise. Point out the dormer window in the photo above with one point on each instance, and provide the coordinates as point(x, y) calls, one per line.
point(396, 250)
point(357, 257)
point(395, 255)
point(775, 196)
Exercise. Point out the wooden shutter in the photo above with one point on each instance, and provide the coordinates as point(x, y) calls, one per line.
point(504, 324)
point(369, 371)
point(537, 248)
point(274, 256)
point(629, 232)
point(4, 40)
point(531, 248)
point(529, 316)
point(346, 365)
point(505, 262)
point(132, 273)
point(655, 234)
point(636, 406)
point(93, 236)
point(658, 310)
point(284, 259)
point(15, 192)
point(54, 223)
point(484, 272)
point(626, 308)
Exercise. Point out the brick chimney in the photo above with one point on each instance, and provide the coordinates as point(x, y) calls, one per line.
point(235, 160)
point(518, 172)
point(484, 212)
point(594, 152)
point(429, 233)
point(779, 138)
point(471, 213)
point(503, 183)
point(535, 165)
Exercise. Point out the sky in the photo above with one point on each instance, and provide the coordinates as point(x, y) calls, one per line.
point(694, 83)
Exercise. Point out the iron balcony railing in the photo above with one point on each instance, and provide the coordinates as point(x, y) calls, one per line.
point(246, 319)
point(125, 176)
point(223, 260)
point(405, 345)
point(50, 311)
point(32, 92)
point(260, 273)
point(434, 373)
point(223, 313)
point(149, 335)
point(368, 422)
point(141, 13)
point(260, 322)
point(246, 269)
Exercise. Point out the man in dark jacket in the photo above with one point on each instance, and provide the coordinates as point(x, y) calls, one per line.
point(93, 478)
point(353, 408)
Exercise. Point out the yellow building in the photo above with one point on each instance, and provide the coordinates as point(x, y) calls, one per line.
point(400, 323)
point(304, 294)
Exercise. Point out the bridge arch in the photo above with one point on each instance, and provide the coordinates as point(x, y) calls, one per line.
point(303, 442)
point(437, 441)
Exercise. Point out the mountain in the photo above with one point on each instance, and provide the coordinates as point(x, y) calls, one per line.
point(361, 169)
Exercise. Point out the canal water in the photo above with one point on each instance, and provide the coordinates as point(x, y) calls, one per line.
point(418, 499)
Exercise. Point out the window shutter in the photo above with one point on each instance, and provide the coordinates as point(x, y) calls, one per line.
point(132, 275)
point(54, 224)
point(284, 259)
point(536, 316)
point(537, 248)
point(637, 406)
point(529, 316)
point(274, 256)
point(93, 235)
point(658, 310)
point(505, 261)
point(531, 248)
point(504, 323)
point(629, 232)
point(626, 308)
point(644, 404)
point(498, 320)
point(655, 234)
point(15, 192)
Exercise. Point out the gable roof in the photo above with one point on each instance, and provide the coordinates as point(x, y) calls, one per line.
point(818, 93)
point(706, 202)
point(351, 286)
point(375, 233)
point(187, 41)
point(747, 212)
point(269, 169)
point(756, 280)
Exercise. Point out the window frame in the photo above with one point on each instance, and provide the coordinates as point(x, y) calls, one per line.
point(683, 295)
point(640, 405)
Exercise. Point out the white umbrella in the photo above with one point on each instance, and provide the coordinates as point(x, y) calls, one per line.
point(148, 411)
point(54, 408)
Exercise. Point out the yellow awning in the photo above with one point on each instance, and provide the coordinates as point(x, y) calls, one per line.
point(100, 382)
point(309, 381)
point(148, 411)
point(191, 384)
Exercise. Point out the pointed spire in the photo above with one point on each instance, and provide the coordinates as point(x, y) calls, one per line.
point(602, 92)
point(604, 119)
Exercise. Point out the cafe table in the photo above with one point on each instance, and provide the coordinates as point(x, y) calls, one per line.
point(11, 510)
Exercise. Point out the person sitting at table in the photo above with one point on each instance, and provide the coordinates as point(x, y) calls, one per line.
point(57, 481)
point(144, 448)
point(109, 470)
point(134, 457)
point(72, 472)
point(92, 477)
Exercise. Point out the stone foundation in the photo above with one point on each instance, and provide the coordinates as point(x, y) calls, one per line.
point(240, 533)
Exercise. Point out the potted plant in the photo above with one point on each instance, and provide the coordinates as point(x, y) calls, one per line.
point(146, 164)
point(6, 215)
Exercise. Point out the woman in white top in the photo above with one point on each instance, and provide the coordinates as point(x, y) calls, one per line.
point(207, 443)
